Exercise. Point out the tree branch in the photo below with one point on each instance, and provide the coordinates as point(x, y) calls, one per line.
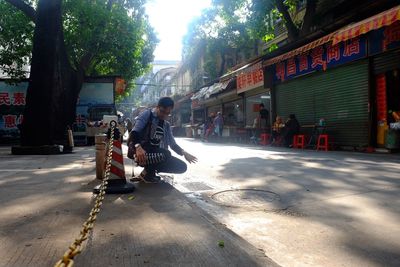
point(85, 62)
point(293, 31)
point(308, 19)
point(110, 4)
point(28, 10)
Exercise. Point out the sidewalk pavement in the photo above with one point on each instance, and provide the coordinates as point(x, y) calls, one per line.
point(45, 200)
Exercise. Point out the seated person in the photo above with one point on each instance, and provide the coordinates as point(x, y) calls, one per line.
point(292, 127)
point(276, 130)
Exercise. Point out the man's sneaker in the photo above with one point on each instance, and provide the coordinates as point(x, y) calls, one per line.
point(146, 178)
point(151, 179)
point(139, 177)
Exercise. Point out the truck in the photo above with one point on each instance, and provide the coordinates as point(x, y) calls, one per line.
point(96, 99)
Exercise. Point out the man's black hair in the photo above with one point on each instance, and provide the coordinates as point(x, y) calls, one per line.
point(262, 105)
point(165, 102)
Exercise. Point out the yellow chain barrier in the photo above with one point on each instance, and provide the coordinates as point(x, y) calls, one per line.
point(74, 249)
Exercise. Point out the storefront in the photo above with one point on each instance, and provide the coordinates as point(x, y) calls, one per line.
point(181, 115)
point(339, 96)
point(198, 112)
point(385, 49)
point(232, 108)
point(349, 78)
point(383, 35)
point(253, 99)
point(251, 86)
point(219, 97)
point(233, 113)
point(213, 108)
point(209, 99)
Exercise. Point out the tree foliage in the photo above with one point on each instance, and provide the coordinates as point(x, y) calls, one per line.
point(16, 33)
point(102, 37)
point(70, 39)
point(217, 36)
point(261, 15)
point(239, 25)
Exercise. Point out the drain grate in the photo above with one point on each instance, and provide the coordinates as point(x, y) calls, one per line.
point(196, 186)
point(247, 198)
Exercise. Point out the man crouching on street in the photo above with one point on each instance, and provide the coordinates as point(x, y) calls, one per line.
point(152, 135)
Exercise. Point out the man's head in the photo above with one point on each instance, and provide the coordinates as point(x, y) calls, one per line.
point(261, 106)
point(164, 107)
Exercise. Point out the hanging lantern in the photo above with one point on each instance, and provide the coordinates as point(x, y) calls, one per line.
point(120, 86)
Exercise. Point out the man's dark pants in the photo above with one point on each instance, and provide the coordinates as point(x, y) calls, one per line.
point(170, 164)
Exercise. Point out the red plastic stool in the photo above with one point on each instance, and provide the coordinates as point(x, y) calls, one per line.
point(323, 142)
point(264, 139)
point(298, 141)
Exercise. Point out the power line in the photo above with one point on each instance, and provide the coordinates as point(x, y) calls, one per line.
point(160, 85)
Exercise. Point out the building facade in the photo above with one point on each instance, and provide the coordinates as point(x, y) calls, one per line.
point(349, 78)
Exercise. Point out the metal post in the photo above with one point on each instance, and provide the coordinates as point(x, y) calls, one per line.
point(100, 140)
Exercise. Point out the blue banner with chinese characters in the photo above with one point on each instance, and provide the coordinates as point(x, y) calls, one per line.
point(384, 39)
point(321, 58)
point(13, 100)
point(12, 104)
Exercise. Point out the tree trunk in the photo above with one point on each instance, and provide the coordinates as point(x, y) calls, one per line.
point(293, 31)
point(53, 84)
point(255, 47)
point(308, 20)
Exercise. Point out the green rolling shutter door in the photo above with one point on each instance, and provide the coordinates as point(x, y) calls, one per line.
point(340, 96)
point(386, 62)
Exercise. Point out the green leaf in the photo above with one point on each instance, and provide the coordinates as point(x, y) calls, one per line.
point(16, 34)
point(117, 40)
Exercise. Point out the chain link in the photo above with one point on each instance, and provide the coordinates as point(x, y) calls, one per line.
point(75, 248)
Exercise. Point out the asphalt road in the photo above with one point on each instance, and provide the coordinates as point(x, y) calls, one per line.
point(301, 208)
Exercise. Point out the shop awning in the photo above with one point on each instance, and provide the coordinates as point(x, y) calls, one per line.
point(209, 91)
point(200, 93)
point(300, 50)
point(234, 73)
point(373, 23)
point(217, 88)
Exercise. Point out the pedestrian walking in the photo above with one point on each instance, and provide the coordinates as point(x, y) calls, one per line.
point(209, 127)
point(219, 124)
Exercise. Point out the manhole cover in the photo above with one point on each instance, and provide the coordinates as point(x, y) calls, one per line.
point(248, 197)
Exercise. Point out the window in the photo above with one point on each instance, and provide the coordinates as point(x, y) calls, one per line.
point(233, 113)
point(198, 116)
point(253, 107)
point(213, 110)
point(97, 113)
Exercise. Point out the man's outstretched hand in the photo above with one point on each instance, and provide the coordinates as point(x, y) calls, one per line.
point(190, 158)
point(141, 156)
